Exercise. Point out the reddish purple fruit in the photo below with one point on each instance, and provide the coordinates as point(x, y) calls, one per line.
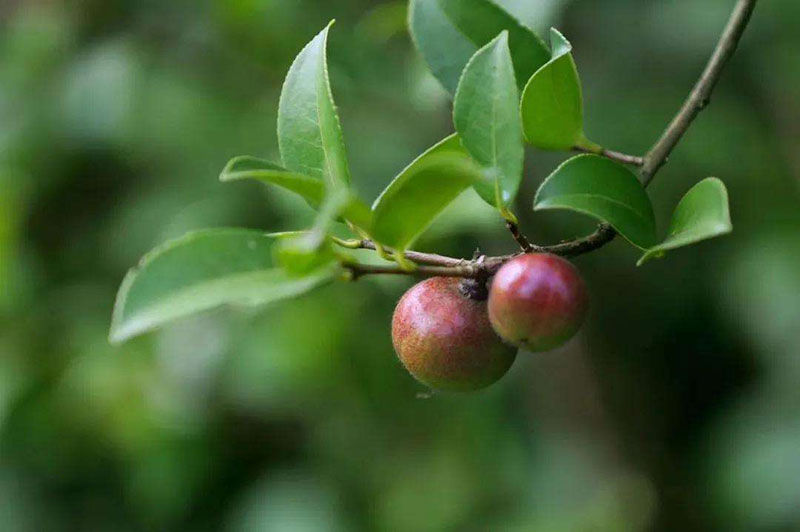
point(537, 301)
point(445, 340)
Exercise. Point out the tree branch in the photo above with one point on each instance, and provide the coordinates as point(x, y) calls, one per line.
point(698, 99)
point(700, 96)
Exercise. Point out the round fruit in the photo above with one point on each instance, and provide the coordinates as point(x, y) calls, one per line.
point(537, 301)
point(445, 340)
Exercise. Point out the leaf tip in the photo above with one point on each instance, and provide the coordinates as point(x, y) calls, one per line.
point(559, 43)
point(649, 255)
point(115, 337)
point(224, 174)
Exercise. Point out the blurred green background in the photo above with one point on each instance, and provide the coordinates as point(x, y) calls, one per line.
point(676, 408)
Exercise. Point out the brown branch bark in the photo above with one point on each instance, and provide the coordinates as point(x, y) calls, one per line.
point(469, 270)
point(430, 259)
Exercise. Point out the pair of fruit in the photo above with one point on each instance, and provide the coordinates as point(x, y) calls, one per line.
point(450, 341)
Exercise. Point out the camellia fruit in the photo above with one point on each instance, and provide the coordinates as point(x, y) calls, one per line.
point(445, 340)
point(537, 301)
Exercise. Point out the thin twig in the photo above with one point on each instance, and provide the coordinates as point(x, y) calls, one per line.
point(620, 157)
point(700, 96)
point(521, 239)
point(471, 271)
point(602, 236)
point(430, 259)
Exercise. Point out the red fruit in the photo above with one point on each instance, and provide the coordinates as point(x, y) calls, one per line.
point(445, 340)
point(537, 301)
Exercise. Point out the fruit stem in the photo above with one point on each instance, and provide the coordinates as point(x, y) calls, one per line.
point(474, 289)
point(521, 239)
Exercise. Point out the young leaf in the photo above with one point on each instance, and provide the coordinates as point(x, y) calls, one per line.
point(308, 251)
point(702, 213)
point(552, 103)
point(309, 134)
point(245, 167)
point(301, 255)
point(311, 189)
point(198, 272)
point(605, 190)
point(486, 116)
point(448, 32)
point(411, 202)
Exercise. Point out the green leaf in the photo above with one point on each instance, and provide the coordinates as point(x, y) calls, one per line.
point(449, 144)
point(486, 116)
point(246, 167)
point(702, 213)
point(311, 189)
point(301, 255)
point(308, 251)
point(201, 271)
point(448, 32)
point(411, 202)
point(552, 103)
point(309, 134)
point(605, 190)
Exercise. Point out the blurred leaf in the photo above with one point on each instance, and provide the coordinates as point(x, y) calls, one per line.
point(303, 254)
point(411, 202)
point(200, 271)
point(552, 104)
point(758, 287)
point(384, 21)
point(99, 94)
point(539, 15)
point(448, 32)
point(486, 116)
point(702, 213)
point(309, 134)
point(290, 501)
point(605, 190)
point(312, 190)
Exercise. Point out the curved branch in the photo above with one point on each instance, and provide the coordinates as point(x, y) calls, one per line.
point(602, 236)
point(700, 96)
point(697, 100)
